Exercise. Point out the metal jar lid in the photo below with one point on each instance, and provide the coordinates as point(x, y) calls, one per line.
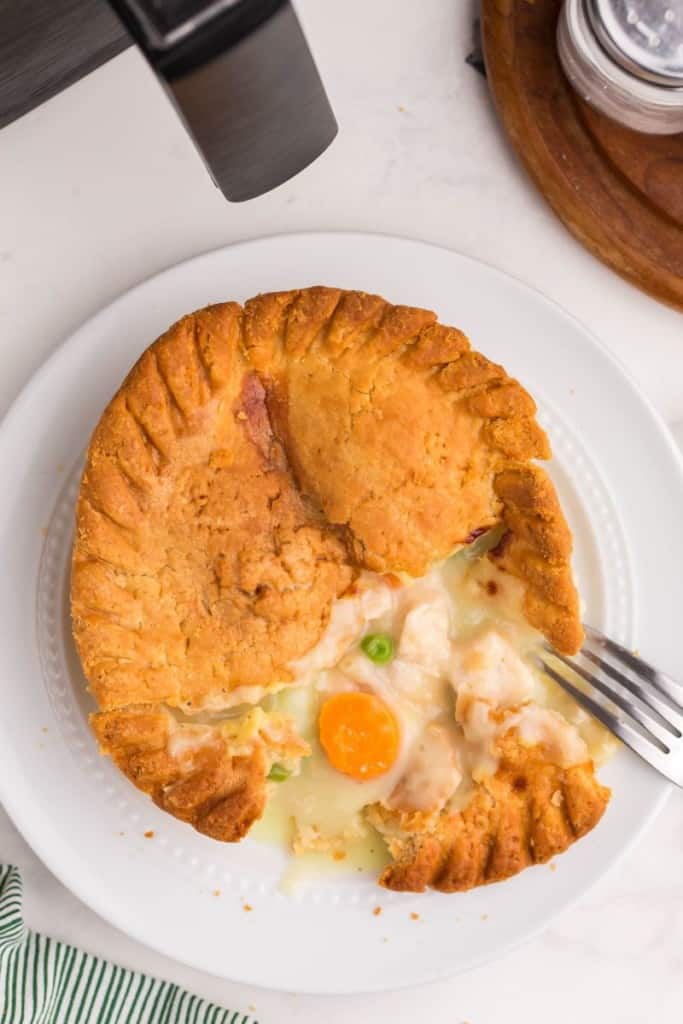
point(625, 57)
point(644, 37)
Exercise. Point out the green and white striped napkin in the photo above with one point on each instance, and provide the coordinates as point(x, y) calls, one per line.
point(43, 981)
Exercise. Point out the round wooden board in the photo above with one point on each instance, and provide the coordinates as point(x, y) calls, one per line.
point(618, 191)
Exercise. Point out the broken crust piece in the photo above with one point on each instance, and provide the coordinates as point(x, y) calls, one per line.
point(255, 459)
point(212, 777)
point(529, 811)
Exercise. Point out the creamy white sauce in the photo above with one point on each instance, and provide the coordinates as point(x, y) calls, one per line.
point(373, 598)
point(433, 772)
point(324, 805)
point(488, 668)
point(459, 678)
point(544, 727)
point(424, 619)
point(218, 702)
point(426, 629)
point(188, 739)
point(494, 687)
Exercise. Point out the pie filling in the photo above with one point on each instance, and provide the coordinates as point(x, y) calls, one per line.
point(400, 704)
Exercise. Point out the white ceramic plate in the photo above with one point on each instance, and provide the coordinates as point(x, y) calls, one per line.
point(621, 481)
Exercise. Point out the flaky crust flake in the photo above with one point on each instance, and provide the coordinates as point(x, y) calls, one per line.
point(255, 458)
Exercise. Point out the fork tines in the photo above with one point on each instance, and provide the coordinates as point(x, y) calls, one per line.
point(645, 708)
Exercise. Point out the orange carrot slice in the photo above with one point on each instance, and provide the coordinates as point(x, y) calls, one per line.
point(359, 734)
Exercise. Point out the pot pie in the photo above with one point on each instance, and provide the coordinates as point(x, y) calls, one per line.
point(313, 555)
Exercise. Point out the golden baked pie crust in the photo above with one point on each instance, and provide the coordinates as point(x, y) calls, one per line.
point(255, 459)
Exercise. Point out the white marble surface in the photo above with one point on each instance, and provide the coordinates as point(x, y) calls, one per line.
point(101, 187)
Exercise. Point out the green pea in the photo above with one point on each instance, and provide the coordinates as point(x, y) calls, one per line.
point(379, 647)
point(278, 773)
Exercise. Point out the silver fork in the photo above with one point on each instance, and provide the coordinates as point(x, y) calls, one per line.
point(651, 701)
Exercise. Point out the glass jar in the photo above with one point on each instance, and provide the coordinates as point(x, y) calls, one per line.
point(625, 58)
